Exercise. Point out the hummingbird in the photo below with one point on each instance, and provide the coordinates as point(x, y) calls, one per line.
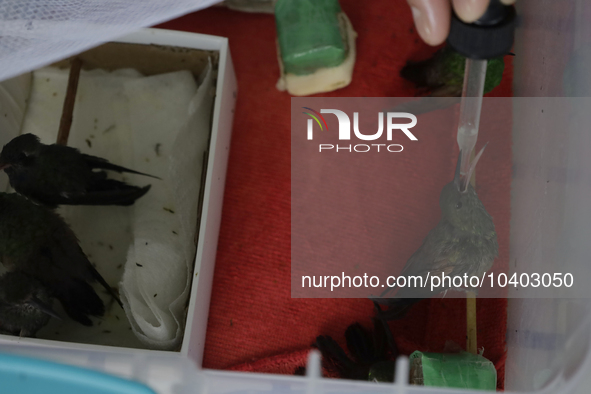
point(442, 76)
point(61, 175)
point(463, 242)
point(25, 305)
point(36, 241)
point(373, 354)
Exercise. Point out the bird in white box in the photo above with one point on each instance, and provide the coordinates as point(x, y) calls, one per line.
point(36, 241)
point(61, 175)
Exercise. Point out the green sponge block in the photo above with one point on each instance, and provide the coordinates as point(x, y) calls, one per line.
point(458, 370)
point(309, 35)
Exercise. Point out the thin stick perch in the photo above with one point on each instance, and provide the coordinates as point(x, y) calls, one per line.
point(471, 324)
point(68, 110)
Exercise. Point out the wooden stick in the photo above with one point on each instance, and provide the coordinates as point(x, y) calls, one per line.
point(68, 110)
point(471, 324)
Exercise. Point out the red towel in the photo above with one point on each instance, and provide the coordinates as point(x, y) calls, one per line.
point(254, 325)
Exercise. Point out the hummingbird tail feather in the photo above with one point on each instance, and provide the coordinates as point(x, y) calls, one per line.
point(360, 344)
point(103, 282)
point(96, 162)
point(79, 301)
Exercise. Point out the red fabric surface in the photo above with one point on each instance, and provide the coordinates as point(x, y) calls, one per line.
point(254, 325)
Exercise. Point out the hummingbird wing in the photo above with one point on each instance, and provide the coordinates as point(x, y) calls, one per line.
point(47, 249)
point(437, 255)
point(360, 344)
point(110, 192)
point(103, 164)
point(333, 354)
point(406, 297)
point(60, 264)
point(384, 342)
point(61, 175)
point(444, 253)
point(70, 257)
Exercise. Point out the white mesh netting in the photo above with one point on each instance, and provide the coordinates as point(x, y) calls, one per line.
point(34, 33)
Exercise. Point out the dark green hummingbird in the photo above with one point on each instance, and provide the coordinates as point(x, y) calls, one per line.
point(442, 76)
point(25, 305)
point(55, 174)
point(35, 240)
point(372, 354)
point(463, 242)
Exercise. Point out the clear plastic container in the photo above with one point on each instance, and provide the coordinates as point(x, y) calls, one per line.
point(548, 340)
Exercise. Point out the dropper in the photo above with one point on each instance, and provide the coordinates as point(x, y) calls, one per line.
point(472, 92)
point(489, 37)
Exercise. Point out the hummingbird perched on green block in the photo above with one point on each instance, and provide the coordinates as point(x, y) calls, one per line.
point(36, 241)
point(61, 175)
point(372, 354)
point(463, 242)
point(25, 305)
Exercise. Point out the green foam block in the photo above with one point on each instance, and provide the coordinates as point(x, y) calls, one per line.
point(457, 370)
point(309, 35)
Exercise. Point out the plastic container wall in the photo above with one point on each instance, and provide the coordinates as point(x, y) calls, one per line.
point(548, 339)
point(173, 374)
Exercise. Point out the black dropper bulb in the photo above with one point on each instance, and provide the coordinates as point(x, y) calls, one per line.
point(488, 37)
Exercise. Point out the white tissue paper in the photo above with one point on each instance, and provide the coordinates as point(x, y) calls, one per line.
point(121, 116)
point(172, 126)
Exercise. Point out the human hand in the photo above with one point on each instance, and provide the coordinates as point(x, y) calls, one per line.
point(432, 17)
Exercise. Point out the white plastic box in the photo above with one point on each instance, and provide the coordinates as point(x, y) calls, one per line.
point(548, 341)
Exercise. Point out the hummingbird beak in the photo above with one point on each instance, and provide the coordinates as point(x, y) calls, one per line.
point(464, 182)
point(457, 178)
point(43, 307)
